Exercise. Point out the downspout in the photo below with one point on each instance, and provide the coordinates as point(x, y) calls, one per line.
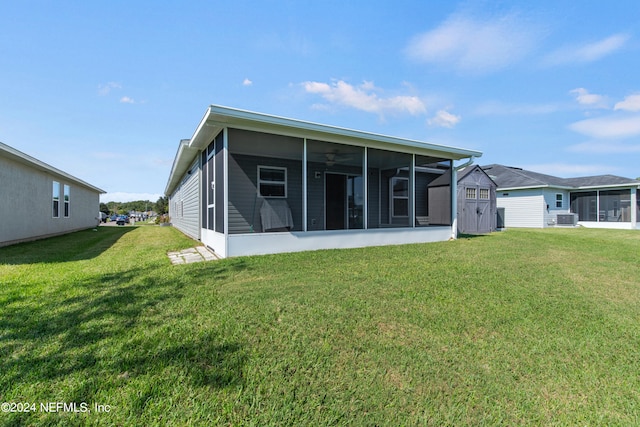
point(454, 195)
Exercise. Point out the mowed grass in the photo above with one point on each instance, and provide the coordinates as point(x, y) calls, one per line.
point(524, 327)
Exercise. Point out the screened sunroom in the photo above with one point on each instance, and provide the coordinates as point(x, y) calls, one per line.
point(272, 185)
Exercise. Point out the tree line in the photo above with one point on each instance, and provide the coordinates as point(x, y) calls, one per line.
point(160, 206)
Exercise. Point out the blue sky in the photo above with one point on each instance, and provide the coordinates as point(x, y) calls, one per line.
point(106, 90)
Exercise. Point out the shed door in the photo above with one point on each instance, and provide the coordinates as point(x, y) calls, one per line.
point(477, 210)
point(483, 211)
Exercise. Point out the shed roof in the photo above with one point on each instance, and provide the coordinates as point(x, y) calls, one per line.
point(508, 177)
point(218, 117)
point(20, 157)
point(462, 173)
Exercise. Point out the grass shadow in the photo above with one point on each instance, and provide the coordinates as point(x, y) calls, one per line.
point(80, 245)
point(108, 330)
point(470, 236)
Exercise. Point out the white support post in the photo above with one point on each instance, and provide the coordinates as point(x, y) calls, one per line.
point(454, 202)
point(304, 185)
point(365, 189)
point(412, 192)
point(634, 208)
point(225, 157)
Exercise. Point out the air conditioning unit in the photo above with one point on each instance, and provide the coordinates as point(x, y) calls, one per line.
point(567, 219)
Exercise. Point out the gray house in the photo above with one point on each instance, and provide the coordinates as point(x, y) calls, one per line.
point(249, 183)
point(477, 210)
point(41, 201)
point(532, 199)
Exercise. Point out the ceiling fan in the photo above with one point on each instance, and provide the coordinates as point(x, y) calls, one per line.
point(334, 157)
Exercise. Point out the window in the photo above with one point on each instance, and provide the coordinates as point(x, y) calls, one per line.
point(484, 194)
point(558, 200)
point(67, 195)
point(272, 181)
point(400, 197)
point(56, 199)
point(470, 193)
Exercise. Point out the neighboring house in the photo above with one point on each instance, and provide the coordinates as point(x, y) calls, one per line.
point(249, 183)
point(476, 201)
point(40, 201)
point(531, 199)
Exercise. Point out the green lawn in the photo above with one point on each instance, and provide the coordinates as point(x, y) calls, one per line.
point(524, 327)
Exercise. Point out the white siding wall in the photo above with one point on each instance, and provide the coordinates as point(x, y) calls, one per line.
point(184, 206)
point(523, 208)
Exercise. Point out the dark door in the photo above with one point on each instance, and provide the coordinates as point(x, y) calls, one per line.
point(335, 201)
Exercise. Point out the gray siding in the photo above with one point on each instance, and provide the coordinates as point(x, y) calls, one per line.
point(219, 192)
point(373, 194)
point(316, 191)
point(184, 204)
point(244, 201)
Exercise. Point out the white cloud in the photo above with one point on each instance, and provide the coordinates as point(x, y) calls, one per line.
point(589, 99)
point(474, 45)
point(630, 103)
point(121, 197)
point(364, 97)
point(127, 100)
point(589, 52)
point(444, 119)
point(247, 82)
point(105, 89)
point(608, 127)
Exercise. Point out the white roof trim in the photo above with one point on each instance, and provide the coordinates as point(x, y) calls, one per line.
point(218, 117)
point(567, 188)
point(227, 116)
point(25, 159)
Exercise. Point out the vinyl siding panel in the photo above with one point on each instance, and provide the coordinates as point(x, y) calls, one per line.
point(220, 177)
point(315, 196)
point(316, 191)
point(244, 201)
point(184, 204)
point(523, 208)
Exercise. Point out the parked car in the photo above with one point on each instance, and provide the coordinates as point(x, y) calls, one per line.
point(122, 220)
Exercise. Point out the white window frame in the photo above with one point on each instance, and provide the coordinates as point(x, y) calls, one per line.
point(269, 182)
point(559, 200)
point(394, 197)
point(55, 199)
point(470, 193)
point(484, 192)
point(66, 202)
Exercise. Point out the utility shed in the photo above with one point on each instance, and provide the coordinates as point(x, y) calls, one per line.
point(476, 201)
